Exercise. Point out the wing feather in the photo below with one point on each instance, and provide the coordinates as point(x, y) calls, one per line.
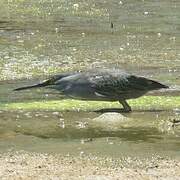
point(114, 85)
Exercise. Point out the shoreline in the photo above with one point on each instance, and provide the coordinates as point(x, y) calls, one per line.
point(31, 165)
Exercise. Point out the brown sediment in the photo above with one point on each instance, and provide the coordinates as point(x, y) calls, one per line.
point(28, 165)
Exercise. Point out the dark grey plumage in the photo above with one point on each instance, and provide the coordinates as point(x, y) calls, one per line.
point(100, 85)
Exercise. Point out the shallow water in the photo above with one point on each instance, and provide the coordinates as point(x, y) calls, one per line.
point(79, 133)
point(41, 38)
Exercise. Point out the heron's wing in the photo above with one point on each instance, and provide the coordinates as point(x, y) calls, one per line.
point(110, 85)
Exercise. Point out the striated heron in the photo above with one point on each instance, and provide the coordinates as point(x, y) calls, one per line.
point(100, 85)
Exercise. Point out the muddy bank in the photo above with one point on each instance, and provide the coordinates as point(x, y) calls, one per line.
point(26, 165)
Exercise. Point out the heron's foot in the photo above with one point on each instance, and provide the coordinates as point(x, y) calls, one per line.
point(125, 105)
point(118, 110)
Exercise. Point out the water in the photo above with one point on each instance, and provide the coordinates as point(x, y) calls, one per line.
point(146, 133)
point(41, 38)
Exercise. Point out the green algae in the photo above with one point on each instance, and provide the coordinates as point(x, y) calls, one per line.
point(144, 103)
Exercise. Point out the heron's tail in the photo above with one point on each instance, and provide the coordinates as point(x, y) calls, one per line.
point(156, 85)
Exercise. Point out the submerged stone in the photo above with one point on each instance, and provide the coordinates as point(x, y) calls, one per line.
point(111, 117)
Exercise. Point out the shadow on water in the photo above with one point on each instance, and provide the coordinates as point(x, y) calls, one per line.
point(126, 134)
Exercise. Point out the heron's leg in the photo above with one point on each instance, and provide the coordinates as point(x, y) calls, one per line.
point(126, 108)
point(125, 105)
